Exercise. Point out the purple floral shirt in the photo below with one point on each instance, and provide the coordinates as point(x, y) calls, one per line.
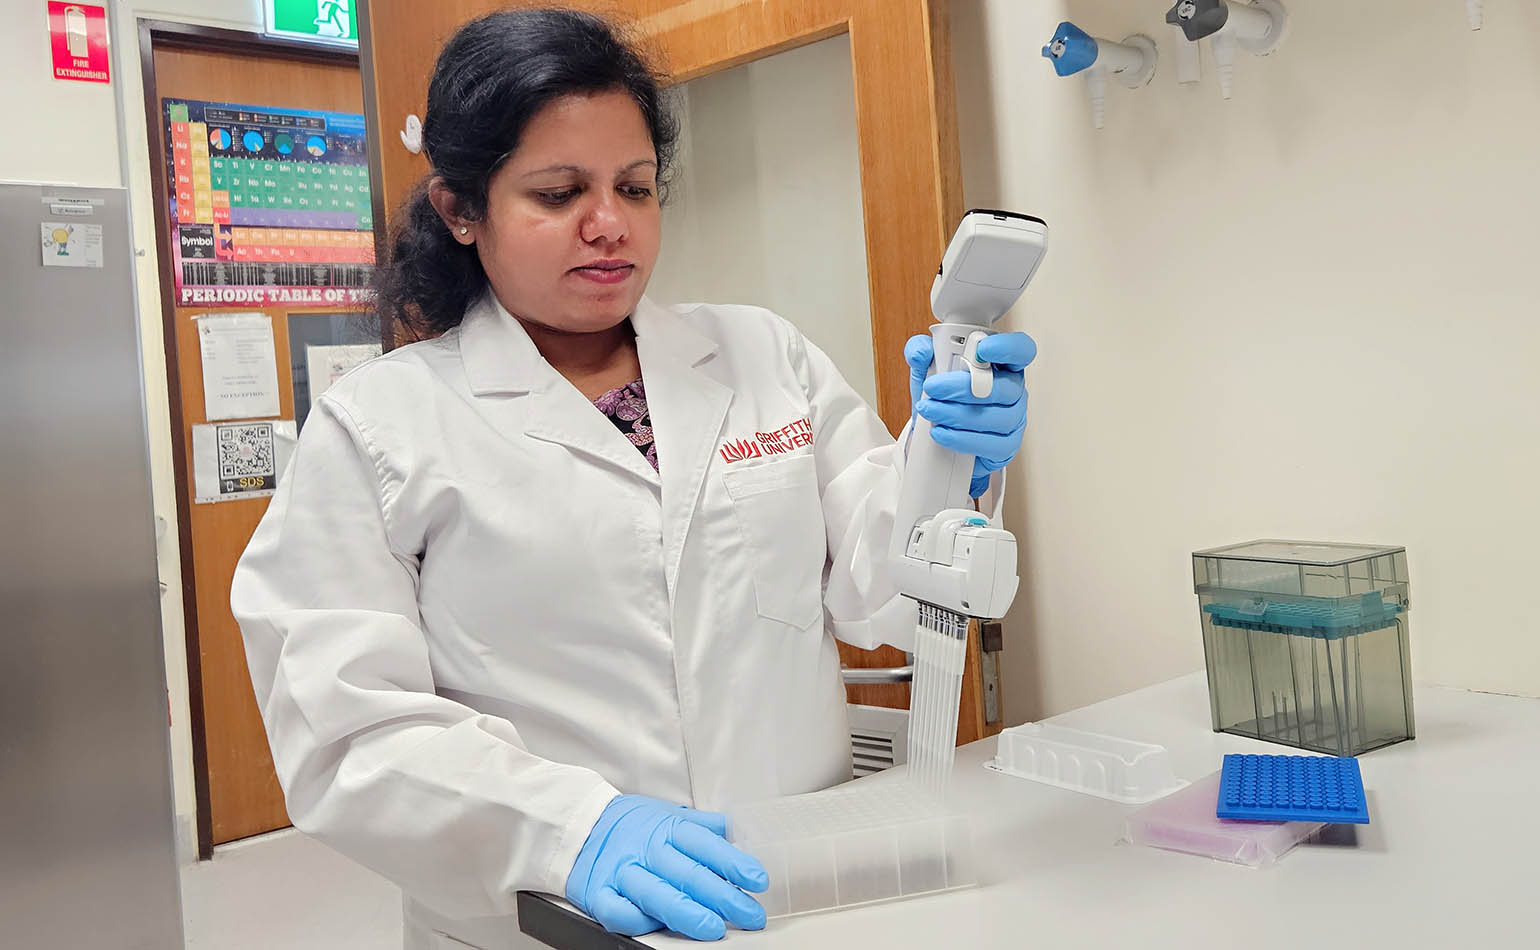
point(627, 408)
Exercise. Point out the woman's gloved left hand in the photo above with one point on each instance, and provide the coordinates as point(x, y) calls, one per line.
point(988, 429)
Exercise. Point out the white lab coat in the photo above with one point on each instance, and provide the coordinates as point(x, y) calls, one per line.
point(474, 613)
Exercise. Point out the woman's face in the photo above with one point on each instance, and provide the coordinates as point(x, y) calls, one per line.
point(572, 224)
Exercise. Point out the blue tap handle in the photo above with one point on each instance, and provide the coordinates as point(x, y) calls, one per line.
point(1071, 49)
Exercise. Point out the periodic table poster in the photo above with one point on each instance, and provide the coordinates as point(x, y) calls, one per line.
point(268, 205)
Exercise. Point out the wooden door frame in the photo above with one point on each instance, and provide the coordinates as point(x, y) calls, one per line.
point(911, 197)
point(164, 34)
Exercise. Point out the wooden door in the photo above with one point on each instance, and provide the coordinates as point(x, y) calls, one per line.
point(238, 793)
point(910, 174)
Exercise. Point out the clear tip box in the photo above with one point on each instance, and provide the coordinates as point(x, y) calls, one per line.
point(1307, 644)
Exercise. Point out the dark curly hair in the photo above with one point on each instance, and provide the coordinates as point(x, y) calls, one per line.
point(491, 79)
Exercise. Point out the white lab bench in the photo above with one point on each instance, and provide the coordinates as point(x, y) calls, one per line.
point(1451, 858)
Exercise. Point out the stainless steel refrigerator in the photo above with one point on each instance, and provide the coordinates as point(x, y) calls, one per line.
point(87, 847)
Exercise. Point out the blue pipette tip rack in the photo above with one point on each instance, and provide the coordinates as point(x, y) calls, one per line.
point(1324, 619)
point(1292, 788)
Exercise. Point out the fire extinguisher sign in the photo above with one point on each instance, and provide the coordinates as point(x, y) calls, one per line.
point(78, 33)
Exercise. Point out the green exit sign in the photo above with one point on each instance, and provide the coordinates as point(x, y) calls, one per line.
point(320, 21)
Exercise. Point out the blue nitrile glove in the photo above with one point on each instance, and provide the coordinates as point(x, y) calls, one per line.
point(988, 429)
point(648, 865)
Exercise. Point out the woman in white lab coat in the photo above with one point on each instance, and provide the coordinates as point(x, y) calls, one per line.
point(575, 548)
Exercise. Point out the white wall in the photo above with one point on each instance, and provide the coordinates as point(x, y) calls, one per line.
point(1309, 312)
point(766, 205)
point(55, 130)
point(94, 134)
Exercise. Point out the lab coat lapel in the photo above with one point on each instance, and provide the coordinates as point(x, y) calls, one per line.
point(501, 361)
point(688, 408)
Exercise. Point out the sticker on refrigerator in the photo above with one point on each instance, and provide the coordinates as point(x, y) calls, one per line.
point(235, 460)
point(71, 244)
point(82, 207)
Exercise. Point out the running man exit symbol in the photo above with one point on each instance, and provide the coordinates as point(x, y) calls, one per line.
point(331, 18)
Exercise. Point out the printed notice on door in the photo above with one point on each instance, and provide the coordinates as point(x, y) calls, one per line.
point(240, 370)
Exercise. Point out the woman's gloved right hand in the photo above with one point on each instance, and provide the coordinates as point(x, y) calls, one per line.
point(648, 865)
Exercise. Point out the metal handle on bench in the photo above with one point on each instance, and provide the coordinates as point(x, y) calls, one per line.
point(868, 676)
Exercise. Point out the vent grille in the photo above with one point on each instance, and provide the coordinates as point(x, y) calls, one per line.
point(870, 753)
point(879, 739)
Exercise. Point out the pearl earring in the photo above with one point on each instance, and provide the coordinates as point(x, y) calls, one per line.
point(464, 229)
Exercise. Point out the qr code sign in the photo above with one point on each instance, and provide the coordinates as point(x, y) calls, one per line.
point(246, 457)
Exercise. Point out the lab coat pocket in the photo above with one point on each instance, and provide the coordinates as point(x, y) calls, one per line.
point(781, 516)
